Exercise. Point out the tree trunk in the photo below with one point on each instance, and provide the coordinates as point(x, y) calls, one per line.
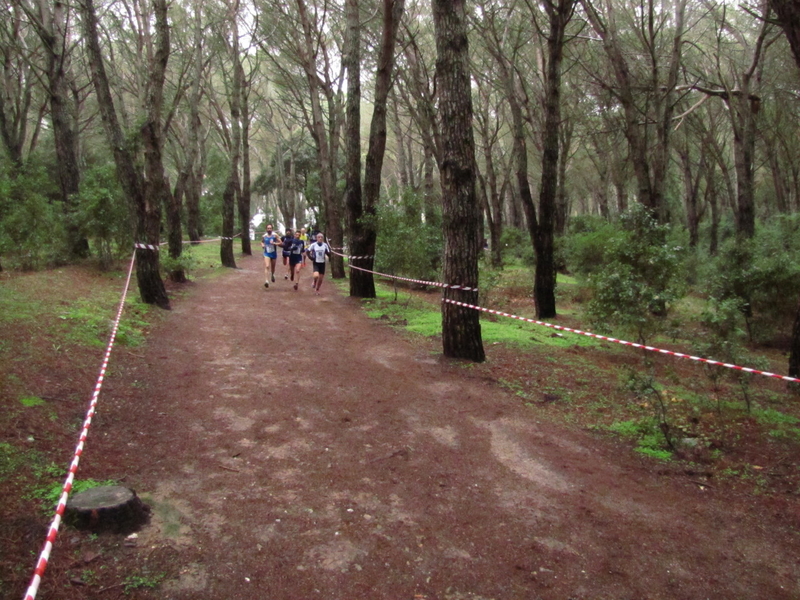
point(363, 232)
point(245, 195)
point(52, 28)
point(172, 206)
point(324, 142)
point(232, 190)
point(147, 209)
point(691, 192)
point(361, 283)
point(788, 13)
point(744, 145)
point(794, 356)
point(432, 201)
point(544, 289)
point(193, 208)
point(228, 216)
point(489, 187)
point(461, 328)
point(402, 169)
point(192, 183)
point(562, 199)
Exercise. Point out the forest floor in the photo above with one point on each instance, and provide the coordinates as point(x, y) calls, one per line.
point(291, 448)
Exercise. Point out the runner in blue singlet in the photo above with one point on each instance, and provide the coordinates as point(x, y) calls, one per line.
point(268, 242)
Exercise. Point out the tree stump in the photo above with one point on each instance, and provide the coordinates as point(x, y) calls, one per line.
point(107, 508)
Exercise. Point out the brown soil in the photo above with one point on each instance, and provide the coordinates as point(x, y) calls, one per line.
point(292, 449)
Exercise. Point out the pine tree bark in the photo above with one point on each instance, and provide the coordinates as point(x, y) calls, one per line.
point(788, 13)
point(244, 196)
point(51, 25)
point(363, 234)
point(232, 188)
point(325, 142)
point(147, 208)
point(544, 288)
point(360, 281)
point(461, 328)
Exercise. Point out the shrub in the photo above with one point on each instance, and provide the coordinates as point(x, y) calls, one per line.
point(632, 271)
point(407, 245)
point(104, 215)
point(761, 275)
point(32, 231)
point(517, 244)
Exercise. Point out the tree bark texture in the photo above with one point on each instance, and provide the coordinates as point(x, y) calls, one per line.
point(794, 356)
point(147, 209)
point(544, 288)
point(363, 232)
point(360, 281)
point(52, 29)
point(788, 15)
point(232, 190)
point(245, 195)
point(461, 328)
point(788, 12)
point(324, 142)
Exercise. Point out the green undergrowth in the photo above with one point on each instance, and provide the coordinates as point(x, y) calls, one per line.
point(667, 409)
point(421, 315)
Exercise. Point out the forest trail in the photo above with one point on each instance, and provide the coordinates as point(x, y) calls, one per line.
point(291, 448)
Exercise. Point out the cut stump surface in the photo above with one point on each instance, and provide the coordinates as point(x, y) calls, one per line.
point(107, 508)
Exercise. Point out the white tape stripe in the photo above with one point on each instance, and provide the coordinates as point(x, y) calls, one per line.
point(41, 565)
point(633, 344)
point(420, 281)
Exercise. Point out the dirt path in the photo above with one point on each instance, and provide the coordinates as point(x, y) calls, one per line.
point(293, 449)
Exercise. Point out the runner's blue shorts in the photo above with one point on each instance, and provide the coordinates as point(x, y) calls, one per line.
point(272, 255)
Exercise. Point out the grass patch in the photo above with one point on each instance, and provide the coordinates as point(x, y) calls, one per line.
point(50, 495)
point(143, 581)
point(646, 435)
point(31, 401)
point(423, 316)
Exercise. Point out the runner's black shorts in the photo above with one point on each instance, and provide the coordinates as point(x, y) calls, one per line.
point(319, 268)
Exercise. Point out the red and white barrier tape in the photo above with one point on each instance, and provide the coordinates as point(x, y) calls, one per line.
point(41, 564)
point(153, 247)
point(145, 246)
point(584, 333)
point(625, 343)
point(420, 281)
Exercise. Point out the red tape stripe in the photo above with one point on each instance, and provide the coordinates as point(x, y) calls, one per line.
point(578, 331)
point(44, 556)
point(626, 343)
point(420, 281)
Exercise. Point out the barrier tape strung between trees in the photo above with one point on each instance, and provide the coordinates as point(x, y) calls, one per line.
point(420, 281)
point(44, 556)
point(143, 246)
point(606, 338)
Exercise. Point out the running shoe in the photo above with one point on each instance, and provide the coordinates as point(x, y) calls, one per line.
point(273, 278)
point(295, 287)
point(266, 284)
point(286, 276)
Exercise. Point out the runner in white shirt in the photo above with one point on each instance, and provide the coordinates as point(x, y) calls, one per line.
point(317, 252)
